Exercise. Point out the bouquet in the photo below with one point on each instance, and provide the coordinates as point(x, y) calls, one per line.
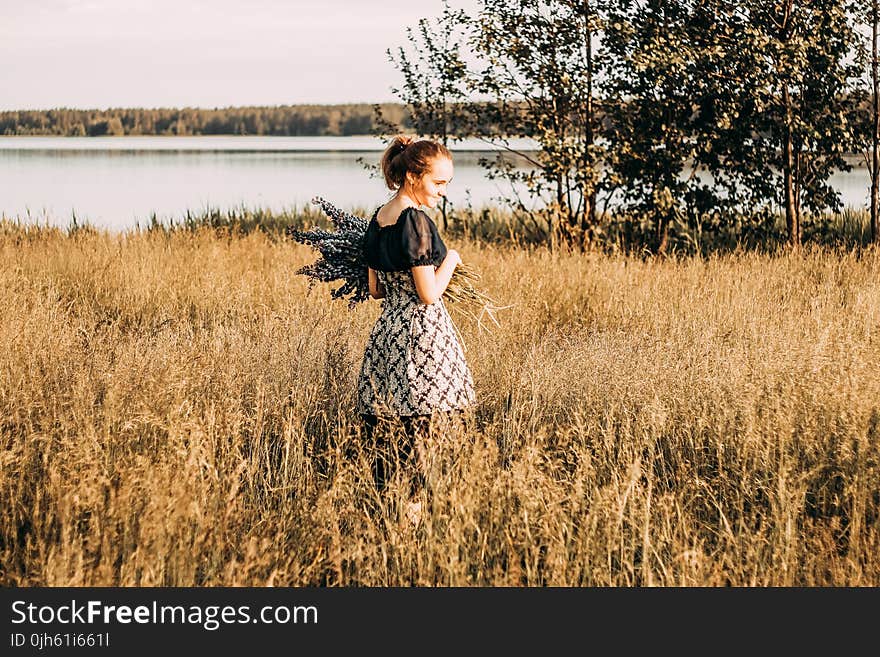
point(342, 260)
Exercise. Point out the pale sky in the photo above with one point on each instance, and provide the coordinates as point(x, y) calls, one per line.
point(202, 53)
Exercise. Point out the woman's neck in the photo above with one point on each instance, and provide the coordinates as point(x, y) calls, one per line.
point(405, 199)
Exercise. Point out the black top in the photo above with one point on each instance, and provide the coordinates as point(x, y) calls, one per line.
point(411, 241)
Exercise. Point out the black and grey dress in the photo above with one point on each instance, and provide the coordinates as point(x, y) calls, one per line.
point(413, 363)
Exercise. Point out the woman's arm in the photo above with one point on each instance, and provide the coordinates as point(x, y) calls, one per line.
point(377, 290)
point(431, 284)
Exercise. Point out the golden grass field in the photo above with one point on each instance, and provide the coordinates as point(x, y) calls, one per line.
point(176, 409)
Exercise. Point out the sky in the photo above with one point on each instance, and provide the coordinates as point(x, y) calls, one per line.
point(202, 53)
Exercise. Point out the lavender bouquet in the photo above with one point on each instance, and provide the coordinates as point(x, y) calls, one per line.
point(342, 260)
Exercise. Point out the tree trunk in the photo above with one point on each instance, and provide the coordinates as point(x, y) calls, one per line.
point(792, 220)
point(662, 234)
point(588, 220)
point(563, 215)
point(875, 136)
point(444, 140)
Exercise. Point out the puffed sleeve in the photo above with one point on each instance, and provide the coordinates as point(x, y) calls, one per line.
point(420, 240)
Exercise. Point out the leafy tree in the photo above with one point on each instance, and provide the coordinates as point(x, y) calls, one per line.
point(434, 87)
point(793, 123)
point(533, 77)
point(665, 103)
point(109, 127)
point(434, 75)
point(536, 64)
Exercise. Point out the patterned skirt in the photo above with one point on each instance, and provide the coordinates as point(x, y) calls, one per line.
point(413, 363)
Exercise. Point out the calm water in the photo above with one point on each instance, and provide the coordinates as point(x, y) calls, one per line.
point(118, 182)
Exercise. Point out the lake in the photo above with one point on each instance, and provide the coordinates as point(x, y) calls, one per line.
point(119, 182)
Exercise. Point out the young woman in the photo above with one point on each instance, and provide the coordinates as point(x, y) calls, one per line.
point(413, 367)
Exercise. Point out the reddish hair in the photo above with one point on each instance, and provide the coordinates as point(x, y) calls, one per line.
point(408, 155)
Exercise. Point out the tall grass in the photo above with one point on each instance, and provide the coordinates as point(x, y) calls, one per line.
point(616, 233)
point(176, 408)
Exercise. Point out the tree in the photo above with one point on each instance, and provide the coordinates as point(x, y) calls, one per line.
point(536, 65)
point(794, 75)
point(434, 85)
point(664, 103)
point(534, 77)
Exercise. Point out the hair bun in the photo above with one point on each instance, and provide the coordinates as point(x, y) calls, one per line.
point(401, 142)
point(407, 154)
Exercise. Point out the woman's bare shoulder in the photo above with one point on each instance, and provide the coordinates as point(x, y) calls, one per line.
point(392, 213)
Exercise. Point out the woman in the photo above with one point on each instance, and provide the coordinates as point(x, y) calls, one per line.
point(413, 367)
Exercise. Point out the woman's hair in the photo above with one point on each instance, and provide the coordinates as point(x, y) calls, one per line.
point(408, 155)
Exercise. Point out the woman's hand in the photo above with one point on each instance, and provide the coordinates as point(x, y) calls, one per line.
point(454, 256)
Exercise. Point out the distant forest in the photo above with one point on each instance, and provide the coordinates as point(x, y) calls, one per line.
point(284, 120)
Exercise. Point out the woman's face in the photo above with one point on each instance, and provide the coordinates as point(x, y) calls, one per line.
point(431, 187)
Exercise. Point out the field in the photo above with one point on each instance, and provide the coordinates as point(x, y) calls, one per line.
point(176, 409)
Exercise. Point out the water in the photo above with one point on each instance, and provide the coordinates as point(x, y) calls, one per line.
point(119, 182)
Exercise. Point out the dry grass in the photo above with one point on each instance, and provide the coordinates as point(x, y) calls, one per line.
point(176, 409)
